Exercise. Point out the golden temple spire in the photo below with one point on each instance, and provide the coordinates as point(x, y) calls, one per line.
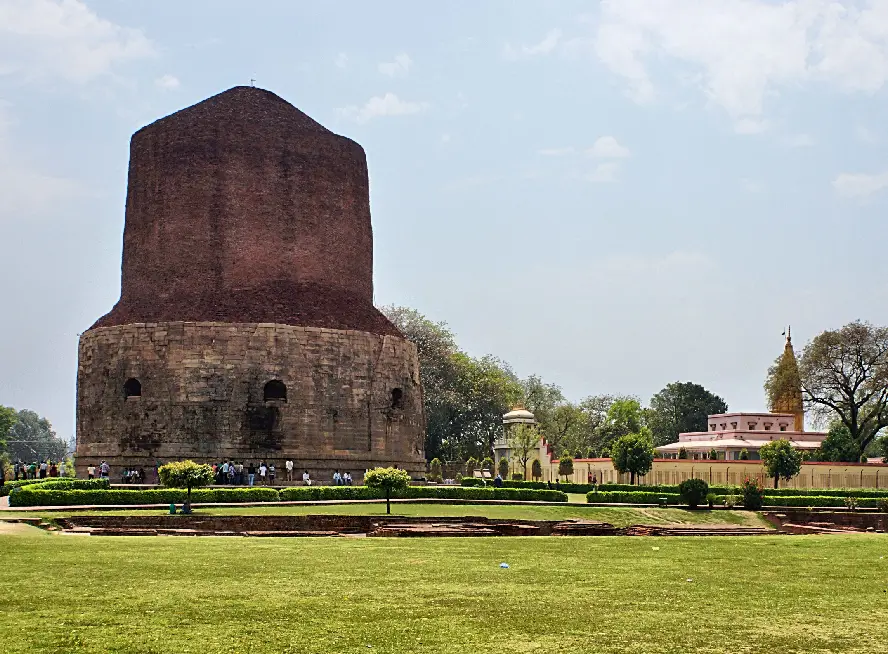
point(784, 385)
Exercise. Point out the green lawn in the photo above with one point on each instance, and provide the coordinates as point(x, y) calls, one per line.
point(618, 516)
point(596, 594)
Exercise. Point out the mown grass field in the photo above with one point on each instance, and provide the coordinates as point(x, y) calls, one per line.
point(618, 516)
point(617, 594)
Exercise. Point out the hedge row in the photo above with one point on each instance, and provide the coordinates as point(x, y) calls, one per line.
point(58, 483)
point(768, 492)
point(28, 496)
point(631, 497)
point(306, 493)
point(564, 487)
point(31, 496)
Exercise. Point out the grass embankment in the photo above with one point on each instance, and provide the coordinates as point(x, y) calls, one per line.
point(627, 595)
point(617, 516)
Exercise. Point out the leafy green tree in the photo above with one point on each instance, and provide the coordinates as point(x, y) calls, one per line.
point(744, 455)
point(693, 492)
point(7, 419)
point(781, 459)
point(536, 469)
point(186, 474)
point(624, 417)
point(713, 454)
point(487, 464)
point(844, 376)
point(542, 400)
point(839, 445)
point(523, 442)
point(435, 470)
point(682, 453)
point(31, 438)
point(471, 465)
point(565, 466)
point(503, 468)
point(633, 453)
point(681, 407)
point(389, 480)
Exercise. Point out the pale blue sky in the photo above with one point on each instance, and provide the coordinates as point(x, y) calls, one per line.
point(614, 196)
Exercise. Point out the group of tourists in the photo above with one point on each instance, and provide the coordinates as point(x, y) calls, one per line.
point(39, 470)
point(102, 470)
point(265, 473)
point(134, 476)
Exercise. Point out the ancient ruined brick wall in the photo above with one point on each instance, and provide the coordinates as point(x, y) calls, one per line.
point(202, 397)
point(243, 209)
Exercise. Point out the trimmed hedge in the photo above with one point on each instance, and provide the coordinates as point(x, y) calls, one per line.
point(769, 492)
point(28, 496)
point(816, 501)
point(58, 483)
point(631, 497)
point(308, 493)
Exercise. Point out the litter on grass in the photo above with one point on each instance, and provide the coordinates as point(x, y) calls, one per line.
point(504, 565)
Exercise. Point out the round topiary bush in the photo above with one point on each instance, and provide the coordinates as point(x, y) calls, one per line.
point(693, 492)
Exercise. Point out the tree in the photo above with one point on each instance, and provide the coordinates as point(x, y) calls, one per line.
point(781, 459)
point(435, 470)
point(844, 375)
point(713, 454)
point(503, 468)
point(624, 416)
point(471, 464)
point(523, 441)
point(744, 455)
point(682, 453)
point(389, 480)
point(31, 438)
point(487, 464)
point(693, 492)
point(7, 419)
point(186, 474)
point(543, 401)
point(536, 469)
point(681, 407)
point(633, 453)
point(839, 446)
point(565, 466)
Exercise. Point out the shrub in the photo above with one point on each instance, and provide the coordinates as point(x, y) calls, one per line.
point(731, 501)
point(435, 470)
point(471, 464)
point(472, 481)
point(102, 482)
point(752, 494)
point(713, 454)
point(693, 492)
point(565, 466)
point(851, 503)
point(487, 463)
point(536, 469)
point(744, 455)
point(35, 496)
point(517, 476)
point(503, 468)
point(682, 453)
point(712, 499)
point(631, 497)
point(882, 505)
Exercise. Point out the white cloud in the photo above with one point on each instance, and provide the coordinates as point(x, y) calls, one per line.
point(860, 185)
point(752, 185)
point(556, 152)
point(607, 147)
point(26, 191)
point(341, 60)
point(546, 46)
point(745, 51)
point(800, 141)
point(866, 135)
point(397, 68)
point(64, 39)
point(167, 82)
point(604, 173)
point(384, 105)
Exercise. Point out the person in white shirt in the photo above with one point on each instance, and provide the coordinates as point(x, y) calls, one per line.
point(306, 479)
point(347, 479)
point(289, 466)
point(262, 472)
point(337, 479)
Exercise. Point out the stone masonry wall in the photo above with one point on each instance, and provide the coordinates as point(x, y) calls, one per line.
point(202, 397)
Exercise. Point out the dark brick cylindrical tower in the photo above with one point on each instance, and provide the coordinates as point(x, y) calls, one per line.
point(247, 266)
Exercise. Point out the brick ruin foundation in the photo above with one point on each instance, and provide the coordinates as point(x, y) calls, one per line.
point(245, 328)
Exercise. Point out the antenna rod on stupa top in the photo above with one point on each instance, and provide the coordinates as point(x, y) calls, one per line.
point(252, 82)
